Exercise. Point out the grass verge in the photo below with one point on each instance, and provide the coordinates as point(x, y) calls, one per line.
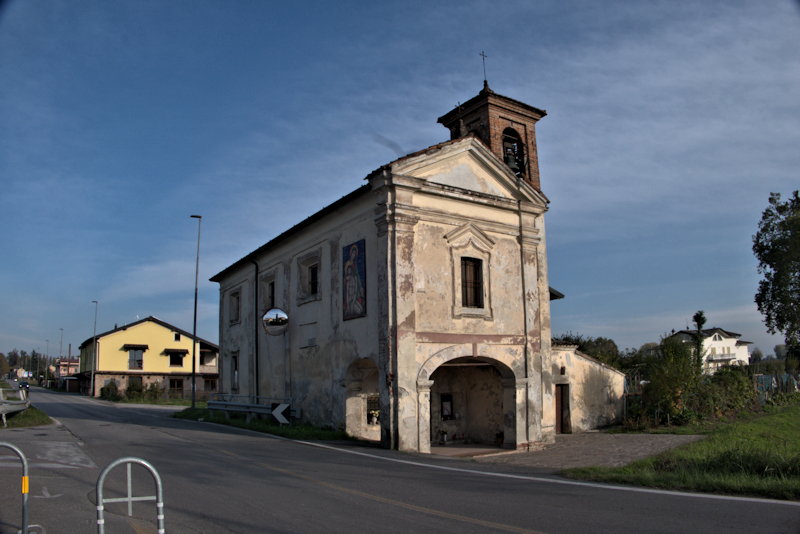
point(759, 457)
point(30, 417)
point(303, 431)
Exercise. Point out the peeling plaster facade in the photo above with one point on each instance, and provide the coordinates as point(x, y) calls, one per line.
point(424, 356)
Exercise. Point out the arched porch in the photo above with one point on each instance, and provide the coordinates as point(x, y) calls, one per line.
point(473, 398)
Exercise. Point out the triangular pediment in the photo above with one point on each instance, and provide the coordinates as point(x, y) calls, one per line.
point(468, 164)
point(469, 234)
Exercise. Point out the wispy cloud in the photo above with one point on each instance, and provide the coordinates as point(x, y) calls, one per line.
point(668, 124)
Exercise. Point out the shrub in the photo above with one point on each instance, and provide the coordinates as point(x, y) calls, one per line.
point(135, 390)
point(153, 392)
point(110, 392)
point(784, 399)
point(673, 378)
point(732, 390)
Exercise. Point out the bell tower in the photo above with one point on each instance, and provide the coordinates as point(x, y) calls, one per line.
point(505, 125)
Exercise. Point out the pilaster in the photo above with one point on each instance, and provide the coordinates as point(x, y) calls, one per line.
point(529, 240)
point(395, 218)
point(424, 411)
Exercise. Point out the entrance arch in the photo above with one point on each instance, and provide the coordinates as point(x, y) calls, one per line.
point(362, 408)
point(472, 395)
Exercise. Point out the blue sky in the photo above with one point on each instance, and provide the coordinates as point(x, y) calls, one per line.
point(669, 123)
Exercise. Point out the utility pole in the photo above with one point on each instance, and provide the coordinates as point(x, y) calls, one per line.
point(94, 346)
point(194, 328)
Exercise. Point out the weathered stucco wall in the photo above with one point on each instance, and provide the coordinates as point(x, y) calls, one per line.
point(310, 361)
point(422, 217)
point(596, 390)
point(465, 208)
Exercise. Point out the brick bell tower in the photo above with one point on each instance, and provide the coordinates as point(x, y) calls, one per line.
point(505, 125)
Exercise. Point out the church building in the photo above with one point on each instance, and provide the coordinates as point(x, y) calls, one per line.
point(418, 305)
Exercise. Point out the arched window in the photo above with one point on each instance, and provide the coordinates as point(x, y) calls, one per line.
point(513, 151)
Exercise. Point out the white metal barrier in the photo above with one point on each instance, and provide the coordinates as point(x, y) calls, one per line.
point(130, 499)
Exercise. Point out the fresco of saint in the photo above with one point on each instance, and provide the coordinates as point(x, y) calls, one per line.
point(355, 281)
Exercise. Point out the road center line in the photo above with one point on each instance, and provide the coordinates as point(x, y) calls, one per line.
point(438, 513)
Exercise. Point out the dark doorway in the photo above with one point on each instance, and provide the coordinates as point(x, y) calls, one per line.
point(562, 409)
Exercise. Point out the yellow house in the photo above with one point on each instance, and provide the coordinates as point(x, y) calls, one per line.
point(147, 352)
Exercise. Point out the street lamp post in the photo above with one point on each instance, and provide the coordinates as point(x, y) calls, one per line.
point(194, 327)
point(46, 354)
point(61, 344)
point(94, 345)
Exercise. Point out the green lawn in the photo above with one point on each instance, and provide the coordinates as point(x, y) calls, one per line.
point(30, 417)
point(296, 431)
point(757, 457)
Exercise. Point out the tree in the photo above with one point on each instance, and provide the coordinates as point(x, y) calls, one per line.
point(35, 364)
point(776, 245)
point(673, 378)
point(23, 362)
point(601, 348)
point(4, 367)
point(699, 319)
point(756, 356)
point(780, 352)
point(13, 358)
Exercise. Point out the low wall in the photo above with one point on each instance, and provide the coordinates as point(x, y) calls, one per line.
point(595, 390)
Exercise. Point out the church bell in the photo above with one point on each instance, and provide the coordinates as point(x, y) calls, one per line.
point(511, 161)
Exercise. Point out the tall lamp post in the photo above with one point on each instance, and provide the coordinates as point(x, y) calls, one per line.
point(94, 345)
point(194, 327)
point(61, 344)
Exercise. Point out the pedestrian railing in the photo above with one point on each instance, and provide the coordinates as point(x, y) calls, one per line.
point(24, 529)
point(130, 499)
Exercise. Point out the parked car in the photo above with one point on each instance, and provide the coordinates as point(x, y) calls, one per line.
point(24, 385)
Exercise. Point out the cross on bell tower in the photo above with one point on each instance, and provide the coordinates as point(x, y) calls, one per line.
point(505, 125)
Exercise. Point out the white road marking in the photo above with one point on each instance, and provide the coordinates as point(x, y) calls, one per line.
point(558, 481)
point(18, 465)
point(46, 494)
point(633, 489)
point(63, 452)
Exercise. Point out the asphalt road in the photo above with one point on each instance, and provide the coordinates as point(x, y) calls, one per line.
point(219, 480)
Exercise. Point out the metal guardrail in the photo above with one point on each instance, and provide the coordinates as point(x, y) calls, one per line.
point(252, 406)
point(22, 458)
point(249, 399)
point(130, 499)
point(9, 406)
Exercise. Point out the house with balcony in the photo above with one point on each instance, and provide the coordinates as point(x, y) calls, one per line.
point(149, 351)
point(720, 348)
